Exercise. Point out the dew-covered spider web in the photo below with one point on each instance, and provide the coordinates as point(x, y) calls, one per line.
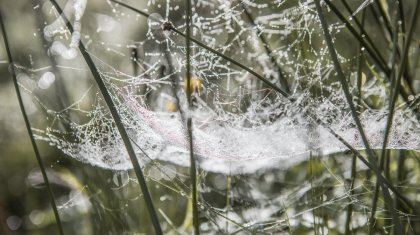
point(264, 165)
point(240, 124)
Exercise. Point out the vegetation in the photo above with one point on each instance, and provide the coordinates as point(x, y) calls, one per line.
point(210, 117)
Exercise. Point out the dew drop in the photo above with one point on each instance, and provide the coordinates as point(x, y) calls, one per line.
point(154, 21)
point(46, 80)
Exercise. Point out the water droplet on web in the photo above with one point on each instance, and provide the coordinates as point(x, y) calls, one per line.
point(155, 173)
point(11, 69)
point(14, 222)
point(155, 21)
point(167, 33)
point(37, 217)
point(220, 182)
point(105, 23)
point(46, 80)
point(169, 172)
point(121, 178)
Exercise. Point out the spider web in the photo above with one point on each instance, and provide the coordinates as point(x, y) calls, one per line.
point(241, 127)
point(240, 124)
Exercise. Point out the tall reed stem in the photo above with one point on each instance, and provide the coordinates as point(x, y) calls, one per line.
point(193, 169)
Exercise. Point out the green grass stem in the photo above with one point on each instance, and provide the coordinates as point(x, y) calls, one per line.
point(360, 62)
point(387, 129)
point(193, 168)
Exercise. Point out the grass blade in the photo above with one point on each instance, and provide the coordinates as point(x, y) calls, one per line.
point(349, 211)
point(402, 18)
point(342, 78)
point(246, 68)
point(360, 62)
point(193, 169)
point(387, 128)
point(345, 87)
point(400, 175)
point(120, 126)
point(28, 128)
point(384, 17)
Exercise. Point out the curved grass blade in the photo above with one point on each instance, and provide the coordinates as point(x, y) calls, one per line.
point(345, 87)
point(306, 113)
point(120, 126)
point(360, 62)
point(193, 169)
point(28, 128)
